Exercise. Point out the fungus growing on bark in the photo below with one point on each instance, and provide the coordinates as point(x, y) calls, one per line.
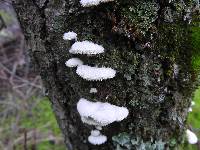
point(100, 114)
point(86, 47)
point(73, 62)
point(192, 138)
point(70, 36)
point(88, 3)
point(93, 90)
point(94, 113)
point(96, 138)
point(94, 73)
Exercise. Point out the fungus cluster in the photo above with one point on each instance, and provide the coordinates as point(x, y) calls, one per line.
point(100, 114)
point(97, 114)
point(89, 3)
point(90, 49)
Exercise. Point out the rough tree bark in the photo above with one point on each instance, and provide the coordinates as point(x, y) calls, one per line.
point(147, 42)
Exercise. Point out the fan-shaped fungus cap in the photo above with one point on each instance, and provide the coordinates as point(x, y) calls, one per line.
point(98, 113)
point(88, 3)
point(70, 36)
point(73, 62)
point(95, 73)
point(86, 47)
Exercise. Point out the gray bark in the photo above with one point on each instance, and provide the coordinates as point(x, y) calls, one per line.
point(155, 83)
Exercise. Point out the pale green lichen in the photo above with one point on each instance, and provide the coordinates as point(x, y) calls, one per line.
point(125, 141)
point(141, 14)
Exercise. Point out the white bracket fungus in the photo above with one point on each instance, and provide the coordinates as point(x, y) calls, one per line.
point(100, 114)
point(192, 138)
point(95, 73)
point(70, 36)
point(88, 3)
point(73, 62)
point(96, 138)
point(93, 90)
point(86, 47)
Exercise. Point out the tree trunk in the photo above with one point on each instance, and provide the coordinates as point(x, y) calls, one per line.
point(146, 42)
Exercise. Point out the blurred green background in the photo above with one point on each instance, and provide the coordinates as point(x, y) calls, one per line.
point(39, 122)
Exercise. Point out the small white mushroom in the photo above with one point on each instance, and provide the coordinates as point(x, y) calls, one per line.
point(95, 132)
point(93, 90)
point(73, 62)
point(89, 3)
point(95, 73)
point(96, 138)
point(86, 47)
point(192, 138)
point(70, 36)
point(100, 114)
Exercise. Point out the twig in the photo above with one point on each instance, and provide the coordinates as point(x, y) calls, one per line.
point(26, 81)
point(25, 139)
